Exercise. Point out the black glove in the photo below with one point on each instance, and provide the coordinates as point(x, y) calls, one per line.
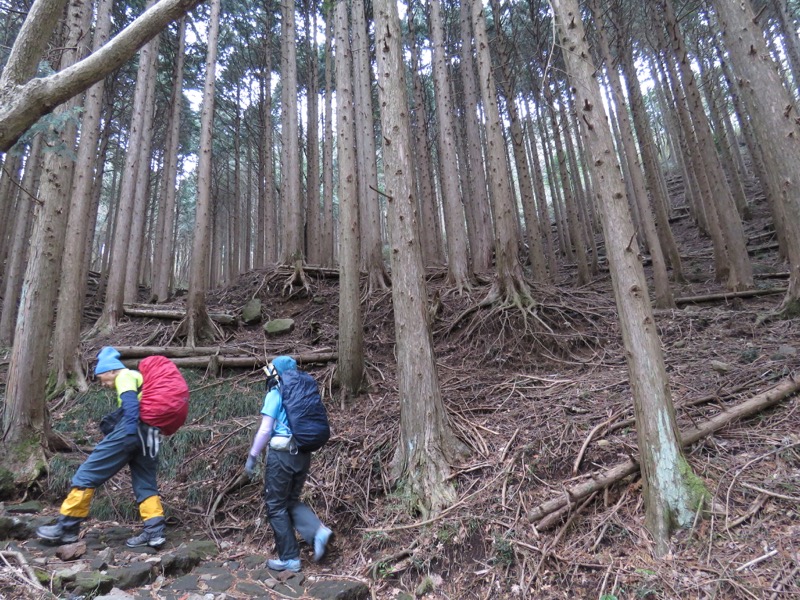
point(109, 421)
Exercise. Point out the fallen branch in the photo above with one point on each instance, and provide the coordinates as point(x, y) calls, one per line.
point(27, 575)
point(173, 314)
point(601, 481)
point(239, 362)
point(729, 295)
point(175, 351)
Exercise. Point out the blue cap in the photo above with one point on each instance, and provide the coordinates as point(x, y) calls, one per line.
point(284, 363)
point(108, 360)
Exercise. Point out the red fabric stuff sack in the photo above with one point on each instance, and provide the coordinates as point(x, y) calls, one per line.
point(165, 396)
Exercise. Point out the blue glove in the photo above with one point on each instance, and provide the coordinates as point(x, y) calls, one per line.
point(250, 466)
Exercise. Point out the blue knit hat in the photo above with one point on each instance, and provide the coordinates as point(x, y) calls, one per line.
point(284, 363)
point(108, 360)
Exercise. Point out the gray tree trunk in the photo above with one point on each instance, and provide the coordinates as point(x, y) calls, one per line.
point(458, 273)
point(67, 358)
point(327, 251)
point(351, 332)
point(476, 201)
point(290, 201)
point(673, 494)
point(509, 285)
point(774, 120)
point(20, 238)
point(369, 202)
point(25, 416)
point(163, 261)
point(197, 326)
point(427, 445)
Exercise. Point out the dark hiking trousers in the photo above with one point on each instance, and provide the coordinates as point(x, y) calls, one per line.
point(284, 479)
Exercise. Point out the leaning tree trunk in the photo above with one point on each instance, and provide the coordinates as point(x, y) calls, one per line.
point(21, 104)
point(197, 326)
point(351, 333)
point(25, 421)
point(427, 445)
point(663, 292)
point(774, 118)
point(673, 494)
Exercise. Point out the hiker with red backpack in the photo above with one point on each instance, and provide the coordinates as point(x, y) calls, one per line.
point(152, 401)
point(294, 424)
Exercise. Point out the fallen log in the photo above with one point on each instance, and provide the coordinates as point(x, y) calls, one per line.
point(729, 295)
point(176, 351)
point(601, 481)
point(173, 314)
point(215, 362)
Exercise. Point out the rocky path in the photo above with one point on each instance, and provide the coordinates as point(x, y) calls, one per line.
point(100, 566)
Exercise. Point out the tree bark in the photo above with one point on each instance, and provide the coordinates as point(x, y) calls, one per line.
point(510, 285)
point(351, 331)
point(327, 253)
point(427, 444)
point(663, 292)
point(74, 265)
point(313, 242)
point(673, 494)
point(18, 254)
point(773, 116)
point(163, 261)
point(476, 200)
point(25, 417)
point(458, 275)
point(369, 202)
point(197, 326)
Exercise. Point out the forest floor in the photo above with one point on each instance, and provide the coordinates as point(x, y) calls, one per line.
point(539, 410)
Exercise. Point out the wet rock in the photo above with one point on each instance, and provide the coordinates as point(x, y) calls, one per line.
point(14, 528)
point(103, 559)
point(91, 582)
point(69, 574)
point(219, 582)
point(70, 552)
point(254, 561)
point(187, 557)
point(115, 594)
point(338, 590)
point(134, 575)
point(27, 508)
point(251, 590)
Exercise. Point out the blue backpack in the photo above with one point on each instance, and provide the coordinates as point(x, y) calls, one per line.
point(307, 417)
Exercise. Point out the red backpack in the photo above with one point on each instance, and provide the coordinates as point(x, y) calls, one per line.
point(165, 396)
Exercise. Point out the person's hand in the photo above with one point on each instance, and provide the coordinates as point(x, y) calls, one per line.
point(250, 466)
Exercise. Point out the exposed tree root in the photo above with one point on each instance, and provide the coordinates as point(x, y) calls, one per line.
point(298, 277)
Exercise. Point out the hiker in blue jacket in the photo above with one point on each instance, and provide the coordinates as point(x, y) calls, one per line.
point(123, 445)
point(286, 472)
